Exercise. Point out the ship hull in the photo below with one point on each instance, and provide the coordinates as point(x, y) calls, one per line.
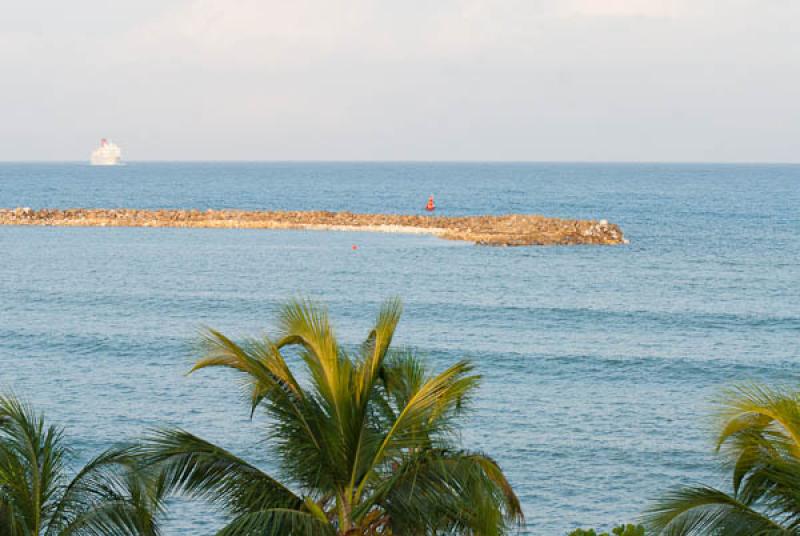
point(105, 163)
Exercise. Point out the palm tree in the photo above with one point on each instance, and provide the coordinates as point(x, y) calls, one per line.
point(107, 497)
point(760, 439)
point(366, 444)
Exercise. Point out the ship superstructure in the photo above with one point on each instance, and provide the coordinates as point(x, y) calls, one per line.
point(108, 154)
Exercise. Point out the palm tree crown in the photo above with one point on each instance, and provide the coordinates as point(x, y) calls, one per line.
point(760, 440)
point(107, 497)
point(366, 443)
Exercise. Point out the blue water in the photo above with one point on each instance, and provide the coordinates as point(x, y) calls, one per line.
point(600, 364)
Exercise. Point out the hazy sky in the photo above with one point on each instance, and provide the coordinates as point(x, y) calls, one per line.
point(643, 80)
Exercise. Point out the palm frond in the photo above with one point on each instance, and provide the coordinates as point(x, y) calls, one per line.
point(110, 489)
point(197, 468)
point(366, 440)
point(277, 522)
point(111, 518)
point(432, 399)
point(302, 423)
point(307, 325)
point(754, 410)
point(260, 360)
point(108, 497)
point(376, 346)
point(449, 491)
point(703, 511)
point(32, 458)
point(359, 437)
point(402, 375)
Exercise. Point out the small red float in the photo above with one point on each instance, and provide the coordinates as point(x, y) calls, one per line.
point(431, 206)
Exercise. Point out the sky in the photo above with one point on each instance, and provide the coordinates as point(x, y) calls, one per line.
point(523, 80)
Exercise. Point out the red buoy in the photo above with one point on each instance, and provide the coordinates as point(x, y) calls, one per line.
point(431, 206)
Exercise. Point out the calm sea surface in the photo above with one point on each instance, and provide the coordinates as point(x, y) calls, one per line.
point(600, 364)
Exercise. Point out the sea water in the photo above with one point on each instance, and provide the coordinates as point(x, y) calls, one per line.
point(600, 365)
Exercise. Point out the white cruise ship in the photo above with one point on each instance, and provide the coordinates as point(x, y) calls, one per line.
point(108, 154)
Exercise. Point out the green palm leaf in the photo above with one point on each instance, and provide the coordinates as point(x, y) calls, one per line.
point(460, 492)
point(760, 439)
point(708, 511)
point(277, 522)
point(110, 496)
point(200, 469)
point(367, 441)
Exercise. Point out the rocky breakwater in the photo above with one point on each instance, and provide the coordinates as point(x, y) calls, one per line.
point(505, 230)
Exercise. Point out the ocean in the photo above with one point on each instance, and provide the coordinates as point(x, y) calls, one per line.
point(600, 365)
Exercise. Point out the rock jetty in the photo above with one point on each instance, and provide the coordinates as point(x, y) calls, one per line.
point(505, 230)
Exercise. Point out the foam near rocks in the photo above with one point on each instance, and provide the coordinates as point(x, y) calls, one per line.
point(504, 230)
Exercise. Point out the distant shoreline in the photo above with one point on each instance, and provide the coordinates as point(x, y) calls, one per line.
point(504, 230)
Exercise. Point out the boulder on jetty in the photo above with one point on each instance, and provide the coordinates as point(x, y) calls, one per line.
point(504, 230)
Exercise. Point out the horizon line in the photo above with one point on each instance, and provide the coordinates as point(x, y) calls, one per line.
point(411, 161)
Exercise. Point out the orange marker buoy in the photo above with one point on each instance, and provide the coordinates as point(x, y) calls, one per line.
point(355, 247)
point(431, 206)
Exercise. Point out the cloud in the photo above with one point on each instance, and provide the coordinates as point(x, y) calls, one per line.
point(242, 33)
point(624, 8)
point(268, 31)
point(542, 79)
point(275, 32)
